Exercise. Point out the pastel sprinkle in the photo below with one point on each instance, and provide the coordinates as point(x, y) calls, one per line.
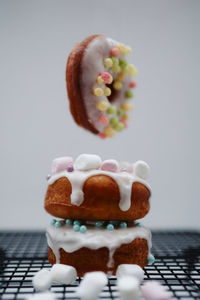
point(125, 123)
point(107, 91)
point(98, 92)
point(53, 221)
point(126, 117)
point(120, 112)
point(117, 85)
point(129, 94)
point(99, 80)
point(102, 135)
point(99, 224)
point(68, 222)
point(124, 49)
point(107, 78)
point(151, 259)
point(83, 228)
point(114, 52)
point(119, 126)
point(58, 224)
point(109, 131)
point(116, 69)
point(110, 227)
point(132, 84)
point(103, 119)
point(138, 224)
point(77, 222)
point(108, 63)
point(115, 61)
point(123, 225)
point(111, 110)
point(76, 227)
point(121, 77)
point(122, 63)
point(113, 121)
point(70, 169)
point(102, 105)
point(127, 106)
point(131, 70)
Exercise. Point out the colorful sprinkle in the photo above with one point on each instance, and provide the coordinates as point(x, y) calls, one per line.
point(114, 52)
point(132, 84)
point(70, 169)
point(103, 119)
point(83, 228)
point(77, 222)
point(99, 80)
point(125, 117)
point(115, 61)
point(138, 224)
point(99, 224)
point(68, 222)
point(125, 123)
point(151, 259)
point(117, 85)
point(102, 105)
point(116, 69)
point(121, 77)
point(124, 49)
point(119, 126)
point(108, 63)
point(111, 110)
point(107, 78)
point(102, 135)
point(76, 227)
point(123, 63)
point(58, 224)
point(53, 221)
point(110, 227)
point(120, 112)
point(98, 92)
point(129, 94)
point(113, 121)
point(127, 106)
point(107, 91)
point(123, 225)
point(109, 131)
point(131, 70)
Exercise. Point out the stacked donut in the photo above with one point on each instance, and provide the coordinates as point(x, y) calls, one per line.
point(96, 205)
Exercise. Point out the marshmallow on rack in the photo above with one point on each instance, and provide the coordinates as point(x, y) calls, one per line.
point(130, 270)
point(153, 290)
point(91, 285)
point(129, 288)
point(42, 280)
point(42, 296)
point(63, 273)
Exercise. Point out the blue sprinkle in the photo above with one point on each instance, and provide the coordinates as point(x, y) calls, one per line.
point(58, 224)
point(83, 228)
point(138, 224)
point(76, 227)
point(151, 259)
point(110, 227)
point(68, 222)
point(123, 225)
point(53, 221)
point(77, 222)
point(99, 224)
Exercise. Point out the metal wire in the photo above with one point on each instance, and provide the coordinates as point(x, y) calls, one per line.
point(177, 265)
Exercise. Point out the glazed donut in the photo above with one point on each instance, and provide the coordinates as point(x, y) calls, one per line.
point(92, 189)
point(99, 85)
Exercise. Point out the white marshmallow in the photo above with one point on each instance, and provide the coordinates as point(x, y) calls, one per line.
point(85, 162)
point(92, 285)
point(63, 273)
point(153, 290)
point(42, 296)
point(128, 287)
point(141, 169)
point(42, 280)
point(130, 270)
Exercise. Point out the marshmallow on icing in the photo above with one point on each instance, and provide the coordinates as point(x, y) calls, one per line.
point(85, 162)
point(92, 285)
point(61, 164)
point(128, 287)
point(110, 165)
point(130, 270)
point(153, 290)
point(141, 169)
point(42, 296)
point(42, 280)
point(63, 273)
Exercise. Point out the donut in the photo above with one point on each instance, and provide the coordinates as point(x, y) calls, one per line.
point(100, 85)
point(92, 189)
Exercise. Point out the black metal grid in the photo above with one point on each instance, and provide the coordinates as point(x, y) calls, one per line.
point(177, 265)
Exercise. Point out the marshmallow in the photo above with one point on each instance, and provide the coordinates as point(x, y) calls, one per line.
point(110, 165)
point(61, 164)
point(128, 287)
point(153, 290)
point(91, 285)
point(42, 280)
point(141, 169)
point(42, 296)
point(85, 162)
point(63, 273)
point(130, 270)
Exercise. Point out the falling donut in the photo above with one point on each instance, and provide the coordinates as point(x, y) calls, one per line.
point(100, 85)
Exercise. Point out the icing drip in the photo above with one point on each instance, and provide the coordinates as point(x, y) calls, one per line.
point(78, 178)
point(94, 238)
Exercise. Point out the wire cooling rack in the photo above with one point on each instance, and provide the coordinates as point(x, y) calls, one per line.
point(177, 265)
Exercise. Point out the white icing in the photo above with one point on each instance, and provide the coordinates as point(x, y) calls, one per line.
point(85, 162)
point(78, 178)
point(92, 64)
point(94, 238)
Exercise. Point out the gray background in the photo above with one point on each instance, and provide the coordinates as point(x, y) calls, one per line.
point(36, 126)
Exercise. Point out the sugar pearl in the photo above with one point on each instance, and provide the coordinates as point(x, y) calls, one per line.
point(98, 92)
point(127, 106)
point(117, 85)
point(115, 61)
point(113, 121)
point(119, 126)
point(125, 123)
point(122, 63)
point(129, 94)
point(58, 224)
point(102, 105)
point(68, 222)
point(151, 259)
point(110, 227)
point(111, 110)
point(109, 131)
point(99, 80)
point(121, 77)
point(116, 69)
point(114, 52)
point(107, 78)
point(77, 222)
point(99, 224)
point(53, 221)
point(103, 119)
point(83, 228)
point(126, 117)
point(108, 63)
point(102, 135)
point(107, 91)
point(122, 224)
point(120, 112)
point(132, 84)
point(131, 70)
point(76, 227)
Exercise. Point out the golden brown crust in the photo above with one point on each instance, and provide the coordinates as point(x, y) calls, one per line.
point(101, 200)
point(88, 260)
point(73, 78)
